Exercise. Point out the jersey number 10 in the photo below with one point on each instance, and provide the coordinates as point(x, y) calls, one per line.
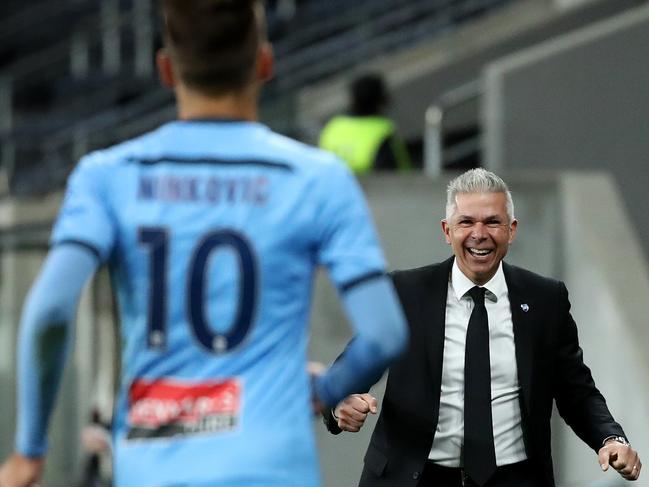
point(157, 241)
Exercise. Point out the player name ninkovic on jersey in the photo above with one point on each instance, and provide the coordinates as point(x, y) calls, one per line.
point(165, 408)
point(212, 189)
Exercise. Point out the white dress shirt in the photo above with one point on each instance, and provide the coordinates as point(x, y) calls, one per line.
point(505, 389)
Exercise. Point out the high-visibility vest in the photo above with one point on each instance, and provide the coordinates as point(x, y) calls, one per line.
point(357, 140)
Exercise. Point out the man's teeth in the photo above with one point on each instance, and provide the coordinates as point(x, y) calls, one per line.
point(480, 251)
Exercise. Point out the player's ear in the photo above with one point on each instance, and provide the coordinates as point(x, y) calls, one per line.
point(265, 62)
point(165, 68)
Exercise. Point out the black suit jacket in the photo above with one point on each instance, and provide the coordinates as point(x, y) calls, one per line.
point(548, 358)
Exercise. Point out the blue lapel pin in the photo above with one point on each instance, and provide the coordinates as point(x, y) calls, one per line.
point(525, 307)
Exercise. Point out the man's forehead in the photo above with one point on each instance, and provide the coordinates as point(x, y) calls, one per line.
point(469, 204)
point(481, 198)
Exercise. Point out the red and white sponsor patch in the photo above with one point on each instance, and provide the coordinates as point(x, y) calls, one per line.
point(163, 408)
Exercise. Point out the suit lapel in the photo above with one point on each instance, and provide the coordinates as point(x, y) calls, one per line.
point(523, 316)
point(434, 316)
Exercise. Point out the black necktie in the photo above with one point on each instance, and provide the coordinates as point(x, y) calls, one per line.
point(479, 452)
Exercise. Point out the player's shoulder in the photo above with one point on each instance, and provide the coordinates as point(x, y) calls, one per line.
point(117, 155)
point(304, 158)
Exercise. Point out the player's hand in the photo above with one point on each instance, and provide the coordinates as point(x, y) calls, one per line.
point(353, 410)
point(622, 458)
point(95, 439)
point(21, 471)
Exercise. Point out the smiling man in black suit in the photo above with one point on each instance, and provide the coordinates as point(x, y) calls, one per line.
point(492, 345)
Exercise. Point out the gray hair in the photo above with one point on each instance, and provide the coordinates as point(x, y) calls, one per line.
point(477, 180)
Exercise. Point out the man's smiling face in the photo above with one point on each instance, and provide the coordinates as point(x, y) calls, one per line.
point(479, 231)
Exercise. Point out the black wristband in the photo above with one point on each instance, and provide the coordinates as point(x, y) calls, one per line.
point(333, 414)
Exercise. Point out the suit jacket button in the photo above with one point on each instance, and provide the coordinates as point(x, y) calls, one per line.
point(415, 475)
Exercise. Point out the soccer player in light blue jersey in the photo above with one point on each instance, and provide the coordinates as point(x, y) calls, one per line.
point(212, 227)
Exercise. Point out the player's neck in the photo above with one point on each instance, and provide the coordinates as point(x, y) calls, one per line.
point(238, 105)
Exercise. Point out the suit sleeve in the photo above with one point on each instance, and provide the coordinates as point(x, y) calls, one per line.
point(578, 400)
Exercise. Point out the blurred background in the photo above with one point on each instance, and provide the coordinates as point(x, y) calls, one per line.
point(553, 95)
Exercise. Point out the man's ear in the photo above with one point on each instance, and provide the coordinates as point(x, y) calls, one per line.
point(512, 230)
point(265, 62)
point(165, 69)
point(446, 229)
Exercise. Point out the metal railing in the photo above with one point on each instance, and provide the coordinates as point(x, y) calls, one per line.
point(461, 103)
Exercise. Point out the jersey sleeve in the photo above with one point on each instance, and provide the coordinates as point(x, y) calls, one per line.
point(45, 339)
point(381, 335)
point(350, 250)
point(84, 217)
point(348, 246)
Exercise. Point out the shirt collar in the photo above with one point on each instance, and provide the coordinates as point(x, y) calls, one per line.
point(496, 286)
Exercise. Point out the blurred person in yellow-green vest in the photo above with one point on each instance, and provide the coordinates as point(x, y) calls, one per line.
point(365, 137)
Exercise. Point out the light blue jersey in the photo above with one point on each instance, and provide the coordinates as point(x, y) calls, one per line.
point(212, 231)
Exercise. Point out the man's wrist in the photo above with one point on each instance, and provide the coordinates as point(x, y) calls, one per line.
point(616, 439)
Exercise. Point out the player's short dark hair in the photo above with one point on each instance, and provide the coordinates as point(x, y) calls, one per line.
point(369, 95)
point(213, 43)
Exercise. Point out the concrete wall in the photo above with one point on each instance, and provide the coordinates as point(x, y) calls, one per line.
point(608, 281)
